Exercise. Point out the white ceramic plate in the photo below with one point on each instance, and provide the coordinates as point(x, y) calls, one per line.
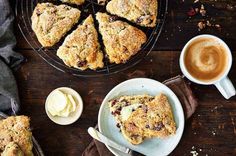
point(74, 116)
point(150, 147)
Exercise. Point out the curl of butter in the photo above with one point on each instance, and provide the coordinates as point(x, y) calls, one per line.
point(61, 104)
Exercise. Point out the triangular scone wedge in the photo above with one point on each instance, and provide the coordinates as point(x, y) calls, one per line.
point(141, 12)
point(77, 2)
point(121, 40)
point(51, 22)
point(143, 117)
point(81, 48)
point(154, 119)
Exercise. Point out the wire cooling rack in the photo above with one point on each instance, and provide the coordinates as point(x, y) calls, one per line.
point(24, 9)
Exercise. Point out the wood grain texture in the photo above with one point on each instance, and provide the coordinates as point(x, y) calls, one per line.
point(179, 28)
point(211, 130)
point(36, 79)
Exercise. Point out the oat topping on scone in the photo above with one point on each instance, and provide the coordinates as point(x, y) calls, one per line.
point(121, 40)
point(141, 12)
point(16, 129)
point(51, 22)
point(81, 48)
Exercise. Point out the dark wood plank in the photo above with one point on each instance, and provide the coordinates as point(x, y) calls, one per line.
point(36, 79)
point(179, 28)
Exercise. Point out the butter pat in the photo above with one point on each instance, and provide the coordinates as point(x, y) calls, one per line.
point(126, 111)
point(61, 104)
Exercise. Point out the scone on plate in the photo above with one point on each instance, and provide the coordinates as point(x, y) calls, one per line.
point(14, 131)
point(51, 22)
point(121, 40)
point(141, 12)
point(147, 118)
point(77, 2)
point(81, 48)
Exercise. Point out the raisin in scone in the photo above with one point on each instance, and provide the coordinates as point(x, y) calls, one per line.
point(51, 22)
point(141, 12)
point(81, 48)
point(138, 121)
point(130, 102)
point(77, 2)
point(16, 129)
point(120, 39)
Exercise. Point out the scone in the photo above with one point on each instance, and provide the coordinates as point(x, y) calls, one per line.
point(51, 22)
point(77, 2)
point(81, 48)
point(147, 119)
point(16, 129)
point(133, 102)
point(12, 149)
point(120, 39)
point(141, 12)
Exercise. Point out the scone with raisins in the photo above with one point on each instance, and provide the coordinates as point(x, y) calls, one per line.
point(141, 12)
point(121, 40)
point(77, 2)
point(15, 131)
point(138, 121)
point(81, 48)
point(130, 102)
point(51, 22)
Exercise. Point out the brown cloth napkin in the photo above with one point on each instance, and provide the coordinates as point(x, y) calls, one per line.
point(180, 87)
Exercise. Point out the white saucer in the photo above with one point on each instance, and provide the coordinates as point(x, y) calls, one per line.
point(74, 116)
point(150, 147)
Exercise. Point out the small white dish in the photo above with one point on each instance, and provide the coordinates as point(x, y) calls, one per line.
point(74, 116)
point(150, 147)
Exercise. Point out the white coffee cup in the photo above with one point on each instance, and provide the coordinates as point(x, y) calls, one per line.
point(222, 83)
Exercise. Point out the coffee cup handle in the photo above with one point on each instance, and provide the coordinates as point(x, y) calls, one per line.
point(226, 87)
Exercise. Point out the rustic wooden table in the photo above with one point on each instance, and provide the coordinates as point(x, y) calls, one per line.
point(210, 131)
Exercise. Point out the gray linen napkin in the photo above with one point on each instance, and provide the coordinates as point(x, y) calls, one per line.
point(9, 100)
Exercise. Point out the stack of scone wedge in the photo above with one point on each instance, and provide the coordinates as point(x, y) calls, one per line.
point(81, 48)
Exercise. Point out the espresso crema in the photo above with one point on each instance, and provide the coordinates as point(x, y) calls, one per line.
point(206, 59)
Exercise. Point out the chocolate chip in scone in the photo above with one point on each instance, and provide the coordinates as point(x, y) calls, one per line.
point(147, 126)
point(81, 63)
point(158, 126)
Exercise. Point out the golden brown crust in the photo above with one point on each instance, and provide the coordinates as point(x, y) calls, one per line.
point(121, 40)
point(16, 129)
point(141, 12)
point(77, 2)
point(51, 22)
point(153, 118)
point(81, 48)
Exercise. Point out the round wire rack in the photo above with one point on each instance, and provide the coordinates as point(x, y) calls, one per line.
point(24, 9)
